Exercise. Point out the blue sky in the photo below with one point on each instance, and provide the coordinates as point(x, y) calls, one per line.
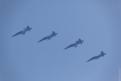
point(97, 22)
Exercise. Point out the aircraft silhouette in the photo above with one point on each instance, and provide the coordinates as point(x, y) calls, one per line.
point(79, 41)
point(102, 54)
point(23, 32)
point(49, 36)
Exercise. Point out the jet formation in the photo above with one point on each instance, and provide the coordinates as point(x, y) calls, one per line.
point(48, 37)
point(23, 32)
point(79, 41)
point(102, 54)
point(53, 34)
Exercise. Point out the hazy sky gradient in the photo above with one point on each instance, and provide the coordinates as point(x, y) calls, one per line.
point(97, 22)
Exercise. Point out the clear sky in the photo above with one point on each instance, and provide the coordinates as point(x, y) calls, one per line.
point(97, 22)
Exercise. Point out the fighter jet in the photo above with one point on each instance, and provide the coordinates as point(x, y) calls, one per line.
point(23, 32)
point(102, 54)
point(79, 41)
point(49, 36)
